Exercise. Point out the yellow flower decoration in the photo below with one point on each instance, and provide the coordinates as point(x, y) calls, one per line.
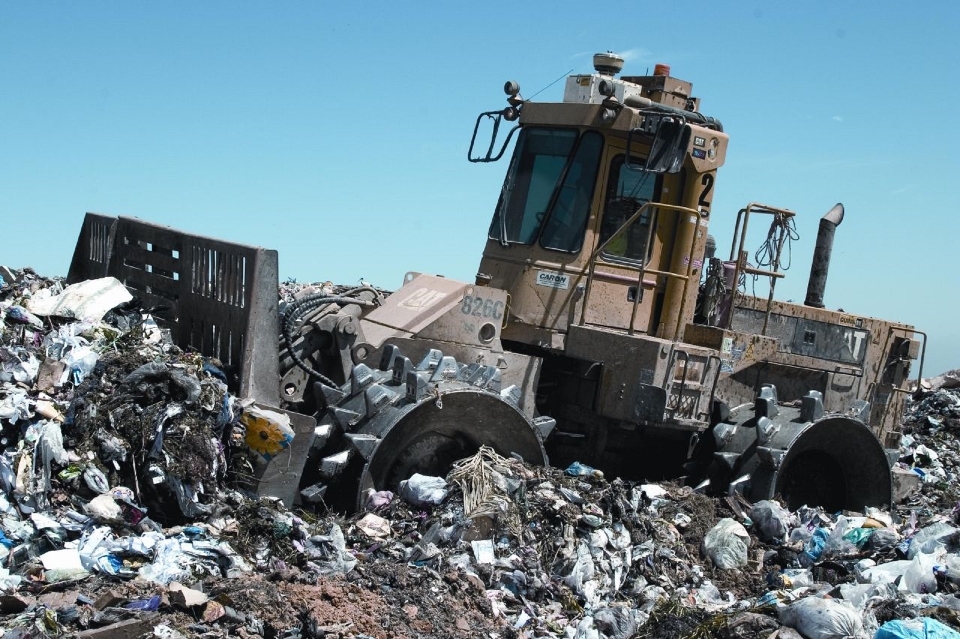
point(268, 432)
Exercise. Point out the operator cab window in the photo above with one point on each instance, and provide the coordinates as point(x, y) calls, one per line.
point(548, 189)
point(628, 190)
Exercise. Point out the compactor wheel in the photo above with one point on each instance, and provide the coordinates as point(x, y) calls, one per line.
point(801, 455)
point(388, 423)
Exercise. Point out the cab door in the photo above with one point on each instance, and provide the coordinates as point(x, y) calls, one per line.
point(616, 277)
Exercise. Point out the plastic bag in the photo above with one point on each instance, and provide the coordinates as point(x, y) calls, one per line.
point(836, 543)
point(586, 630)
point(726, 544)
point(90, 299)
point(185, 386)
point(79, 363)
point(857, 594)
point(797, 577)
point(19, 315)
point(884, 573)
point(187, 498)
point(421, 490)
point(95, 479)
point(859, 536)
point(576, 469)
point(377, 499)
point(336, 560)
point(9, 583)
point(15, 405)
point(930, 537)
point(19, 364)
point(815, 547)
point(919, 577)
point(618, 622)
point(56, 344)
point(920, 628)
point(50, 443)
point(170, 563)
point(770, 520)
point(583, 570)
point(149, 605)
point(883, 538)
point(823, 619)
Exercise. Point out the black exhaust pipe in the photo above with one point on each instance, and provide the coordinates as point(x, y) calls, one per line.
point(821, 256)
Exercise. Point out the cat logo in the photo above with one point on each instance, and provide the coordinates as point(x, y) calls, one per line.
point(421, 299)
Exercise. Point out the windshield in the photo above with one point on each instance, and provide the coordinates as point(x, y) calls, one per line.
point(548, 189)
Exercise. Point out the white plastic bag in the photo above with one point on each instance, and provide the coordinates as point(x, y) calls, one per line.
point(918, 577)
point(20, 364)
point(726, 544)
point(88, 300)
point(421, 490)
point(170, 563)
point(79, 363)
point(823, 619)
point(930, 537)
point(857, 594)
point(884, 573)
point(798, 577)
point(14, 404)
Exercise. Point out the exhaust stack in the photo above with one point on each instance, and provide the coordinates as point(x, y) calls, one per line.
point(821, 256)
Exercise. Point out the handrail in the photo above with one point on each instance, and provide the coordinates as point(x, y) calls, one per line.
point(875, 384)
point(739, 256)
point(923, 354)
point(675, 354)
point(643, 264)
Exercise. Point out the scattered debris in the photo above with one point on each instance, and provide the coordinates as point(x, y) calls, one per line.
point(126, 509)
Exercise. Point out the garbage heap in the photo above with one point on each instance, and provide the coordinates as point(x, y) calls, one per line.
point(127, 509)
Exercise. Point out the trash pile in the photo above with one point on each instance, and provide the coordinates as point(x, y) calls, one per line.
point(931, 424)
point(128, 509)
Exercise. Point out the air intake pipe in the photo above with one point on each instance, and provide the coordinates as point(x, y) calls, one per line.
point(821, 256)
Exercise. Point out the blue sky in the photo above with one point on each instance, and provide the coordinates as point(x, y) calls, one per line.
point(337, 133)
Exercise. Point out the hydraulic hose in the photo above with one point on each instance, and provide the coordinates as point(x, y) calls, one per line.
point(300, 308)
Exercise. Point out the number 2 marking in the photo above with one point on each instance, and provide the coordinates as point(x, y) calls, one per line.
point(707, 182)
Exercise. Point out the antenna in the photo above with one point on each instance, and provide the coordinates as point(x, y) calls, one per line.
point(562, 76)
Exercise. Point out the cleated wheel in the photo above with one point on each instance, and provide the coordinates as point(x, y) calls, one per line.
point(386, 424)
point(800, 455)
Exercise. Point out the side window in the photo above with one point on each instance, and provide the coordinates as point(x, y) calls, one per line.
point(627, 191)
point(567, 223)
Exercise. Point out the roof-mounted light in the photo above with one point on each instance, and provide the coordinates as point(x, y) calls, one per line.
point(512, 89)
point(607, 88)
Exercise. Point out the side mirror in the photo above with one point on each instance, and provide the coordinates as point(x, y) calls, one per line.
point(668, 149)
